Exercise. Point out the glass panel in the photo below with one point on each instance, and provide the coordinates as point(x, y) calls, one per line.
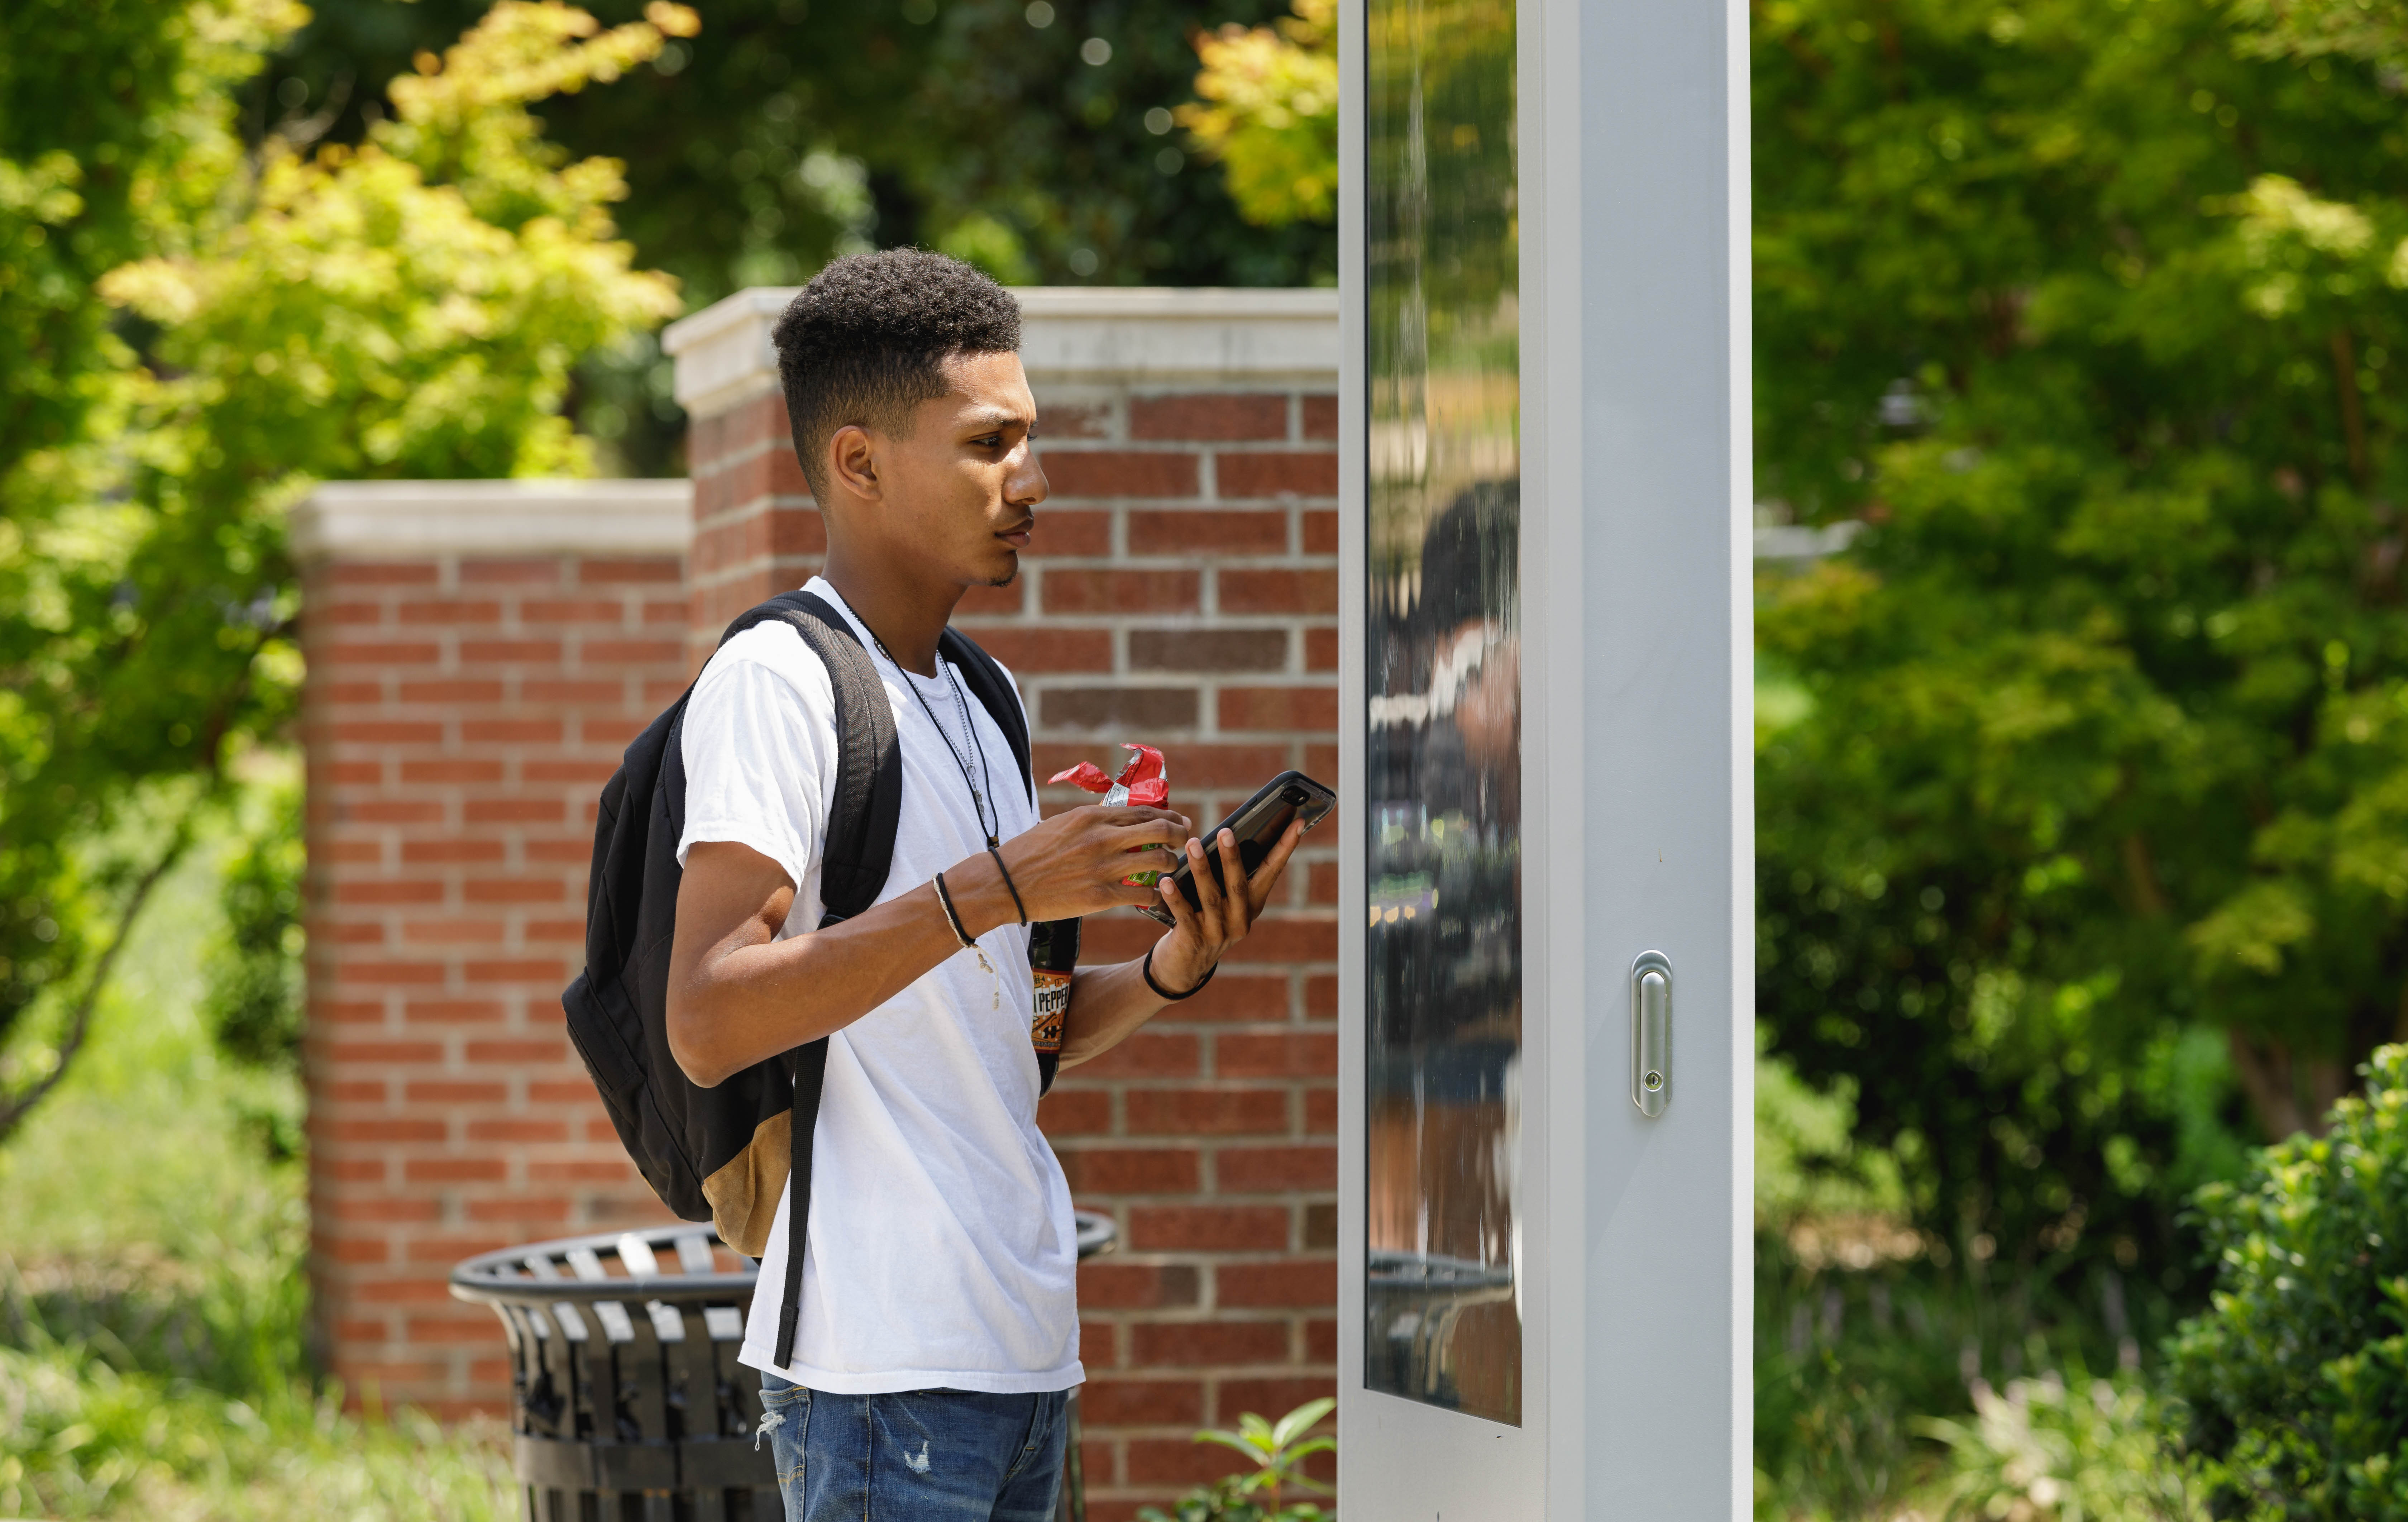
point(1444, 827)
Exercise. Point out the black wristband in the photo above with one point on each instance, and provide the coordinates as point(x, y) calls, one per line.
point(1160, 992)
point(1011, 887)
point(954, 919)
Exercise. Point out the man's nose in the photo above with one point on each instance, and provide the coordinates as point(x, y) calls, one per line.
point(1025, 486)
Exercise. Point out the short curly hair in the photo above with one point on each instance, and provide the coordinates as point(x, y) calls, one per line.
point(864, 343)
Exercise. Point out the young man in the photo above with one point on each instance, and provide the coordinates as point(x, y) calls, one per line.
point(938, 1329)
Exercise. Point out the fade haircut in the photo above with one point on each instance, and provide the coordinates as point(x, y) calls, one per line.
point(865, 342)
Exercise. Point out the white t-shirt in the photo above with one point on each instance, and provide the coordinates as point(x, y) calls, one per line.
point(940, 1251)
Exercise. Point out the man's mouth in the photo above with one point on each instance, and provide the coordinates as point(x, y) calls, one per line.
point(1018, 538)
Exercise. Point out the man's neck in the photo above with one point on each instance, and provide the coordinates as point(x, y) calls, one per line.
point(906, 615)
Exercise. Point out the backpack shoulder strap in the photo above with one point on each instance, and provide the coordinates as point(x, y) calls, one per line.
point(995, 690)
point(866, 804)
point(864, 811)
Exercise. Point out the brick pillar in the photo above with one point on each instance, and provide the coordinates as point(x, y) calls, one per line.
point(478, 654)
point(756, 532)
point(1183, 590)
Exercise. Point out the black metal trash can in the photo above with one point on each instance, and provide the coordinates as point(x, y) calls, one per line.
point(627, 1403)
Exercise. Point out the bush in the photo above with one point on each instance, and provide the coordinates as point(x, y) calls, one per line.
point(2044, 1452)
point(2296, 1379)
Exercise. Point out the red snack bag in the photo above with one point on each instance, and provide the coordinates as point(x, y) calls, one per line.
point(1145, 781)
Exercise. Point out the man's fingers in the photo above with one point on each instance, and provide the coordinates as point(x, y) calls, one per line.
point(1162, 829)
point(1233, 910)
point(1208, 888)
point(1267, 876)
point(1128, 814)
point(1181, 914)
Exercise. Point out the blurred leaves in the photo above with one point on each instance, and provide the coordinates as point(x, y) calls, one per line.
point(2053, 1450)
point(1035, 139)
point(2088, 765)
point(1270, 114)
point(414, 305)
point(255, 992)
point(2373, 31)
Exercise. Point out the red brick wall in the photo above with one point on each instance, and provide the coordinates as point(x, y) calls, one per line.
point(1182, 590)
point(460, 718)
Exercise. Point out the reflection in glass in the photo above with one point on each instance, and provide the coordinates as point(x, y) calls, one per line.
point(1443, 825)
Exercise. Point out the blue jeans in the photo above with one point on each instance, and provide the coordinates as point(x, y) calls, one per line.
point(921, 1456)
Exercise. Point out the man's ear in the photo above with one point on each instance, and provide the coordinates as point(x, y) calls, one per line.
point(852, 461)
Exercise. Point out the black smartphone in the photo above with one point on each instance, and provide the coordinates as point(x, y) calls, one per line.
point(1258, 823)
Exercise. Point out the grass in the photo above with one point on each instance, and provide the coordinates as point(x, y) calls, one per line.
point(153, 1303)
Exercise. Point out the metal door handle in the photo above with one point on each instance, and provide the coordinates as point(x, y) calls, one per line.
point(1651, 1032)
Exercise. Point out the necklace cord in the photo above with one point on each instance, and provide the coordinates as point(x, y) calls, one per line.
point(1012, 887)
point(979, 800)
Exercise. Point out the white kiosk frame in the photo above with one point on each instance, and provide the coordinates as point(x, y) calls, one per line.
point(1637, 755)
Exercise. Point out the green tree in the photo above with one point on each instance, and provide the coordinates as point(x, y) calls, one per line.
point(2084, 314)
point(1037, 137)
point(1270, 113)
point(99, 103)
point(413, 306)
point(1038, 140)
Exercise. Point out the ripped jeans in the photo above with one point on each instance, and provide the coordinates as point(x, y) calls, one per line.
point(921, 1456)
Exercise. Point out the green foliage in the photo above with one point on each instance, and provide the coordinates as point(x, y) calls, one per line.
point(1871, 1356)
point(2372, 31)
point(787, 131)
point(413, 306)
point(152, 1299)
point(1278, 1453)
point(1852, 1363)
point(254, 993)
point(100, 107)
point(2096, 747)
point(1270, 114)
point(1809, 1172)
point(79, 1439)
point(2050, 1450)
point(89, 177)
point(2296, 1377)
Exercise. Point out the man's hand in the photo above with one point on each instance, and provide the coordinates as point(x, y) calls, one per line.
point(1109, 1003)
point(1202, 936)
point(1069, 865)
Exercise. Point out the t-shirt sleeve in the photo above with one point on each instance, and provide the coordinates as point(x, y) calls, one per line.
point(758, 755)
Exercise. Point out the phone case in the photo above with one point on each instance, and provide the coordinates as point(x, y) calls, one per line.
point(1258, 823)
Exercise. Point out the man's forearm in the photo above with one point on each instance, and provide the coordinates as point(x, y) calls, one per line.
point(750, 1002)
point(1106, 1006)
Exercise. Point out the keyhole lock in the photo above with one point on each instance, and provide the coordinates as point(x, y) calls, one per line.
point(1651, 1032)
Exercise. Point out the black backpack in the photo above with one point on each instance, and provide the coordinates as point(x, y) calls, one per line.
point(723, 1153)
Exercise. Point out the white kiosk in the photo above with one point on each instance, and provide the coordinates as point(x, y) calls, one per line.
point(1545, 950)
